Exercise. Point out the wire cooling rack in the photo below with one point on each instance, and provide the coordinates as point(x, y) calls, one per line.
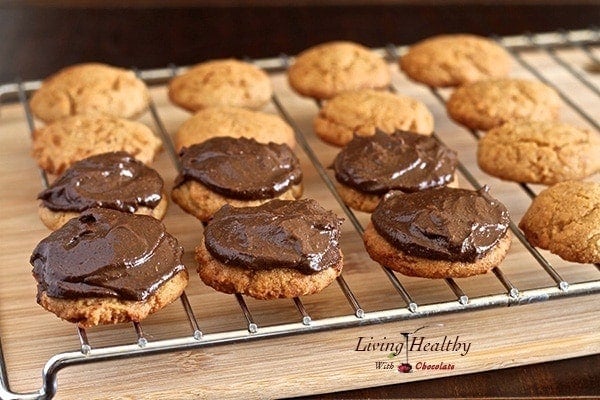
point(518, 46)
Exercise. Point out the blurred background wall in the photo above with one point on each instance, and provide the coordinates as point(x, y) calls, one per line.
point(39, 37)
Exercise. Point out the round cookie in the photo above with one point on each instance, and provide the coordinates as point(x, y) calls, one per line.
point(55, 219)
point(264, 284)
point(91, 89)
point(365, 111)
point(453, 60)
point(224, 83)
point(367, 202)
point(234, 122)
point(489, 103)
point(439, 233)
point(106, 267)
point(281, 249)
point(328, 69)
point(236, 171)
point(387, 255)
point(95, 311)
point(565, 219)
point(201, 202)
point(539, 152)
point(58, 145)
point(113, 180)
point(357, 200)
point(368, 167)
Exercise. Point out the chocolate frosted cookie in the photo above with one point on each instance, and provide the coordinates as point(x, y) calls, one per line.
point(236, 171)
point(108, 266)
point(539, 152)
point(489, 103)
point(280, 249)
point(221, 83)
point(439, 233)
point(58, 145)
point(565, 219)
point(370, 166)
point(110, 180)
point(91, 89)
point(452, 60)
point(234, 122)
point(365, 111)
point(328, 69)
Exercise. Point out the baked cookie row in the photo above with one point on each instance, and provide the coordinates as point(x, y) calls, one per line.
point(107, 266)
point(480, 103)
point(99, 89)
point(224, 262)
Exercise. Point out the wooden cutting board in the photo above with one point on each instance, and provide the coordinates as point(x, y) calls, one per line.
point(307, 363)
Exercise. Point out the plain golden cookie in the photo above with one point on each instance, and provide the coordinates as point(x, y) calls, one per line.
point(94, 311)
point(262, 284)
point(387, 255)
point(565, 219)
point(55, 219)
point(58, 145)
point(452, 60)
point(539, 152)
point(198, 200)
point(489, 103)
point(221, 83)
point(364, 111)
point(234, 122)
point(328, 69)
point(90, 89)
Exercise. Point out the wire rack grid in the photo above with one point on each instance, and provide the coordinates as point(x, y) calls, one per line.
point(196, 339)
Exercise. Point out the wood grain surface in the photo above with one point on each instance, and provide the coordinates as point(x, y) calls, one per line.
point(303, 364)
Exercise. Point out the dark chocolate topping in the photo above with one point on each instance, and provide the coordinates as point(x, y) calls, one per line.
point(106, 253)
point(443, 223)
point(111, 180)
point(401, 161)
point(241, 168)
point(279, 234)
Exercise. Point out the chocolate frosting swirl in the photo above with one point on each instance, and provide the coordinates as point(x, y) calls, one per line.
point(241, 168)
point(401, 161)
point(106, 253)
point(278, 234)
point(443, 223)
point(110, 180)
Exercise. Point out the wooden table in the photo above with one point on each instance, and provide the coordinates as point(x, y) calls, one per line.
point(566, 378)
